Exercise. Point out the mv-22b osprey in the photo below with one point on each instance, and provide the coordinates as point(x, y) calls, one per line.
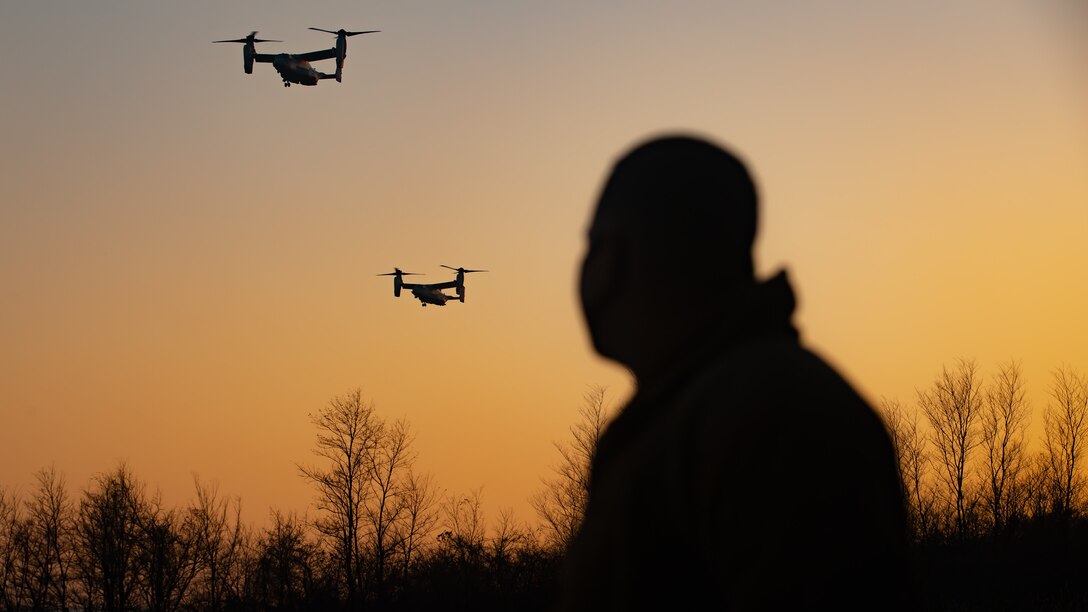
point(295, 67)
point(431, 293)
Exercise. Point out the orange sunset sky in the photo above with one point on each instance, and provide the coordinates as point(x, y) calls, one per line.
point(188, 253)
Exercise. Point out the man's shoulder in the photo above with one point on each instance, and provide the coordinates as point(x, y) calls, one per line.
point(775, 379)
point(770, 364)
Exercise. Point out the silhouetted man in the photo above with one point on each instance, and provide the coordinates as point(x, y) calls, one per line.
point(745, 473)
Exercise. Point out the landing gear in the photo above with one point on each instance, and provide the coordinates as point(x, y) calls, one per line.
point(286, 84)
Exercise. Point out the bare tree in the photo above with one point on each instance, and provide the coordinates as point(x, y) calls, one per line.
point(510, 542)
point(509, 537)
point(913, 460)
point(561, 504)
point(389, 464)
point(1038, 494)
point(952, 408)
point(107, 536)
point(1066, 432)
point(20, 589)
point(49, 555)
point(167, 554)
point(1005, 413)
point(400, 509)
point(284, 562)
point(9, 527)
point(368, 492)
point(219, 538)
point(348, 432)
point(420, 517)
point(465, 531)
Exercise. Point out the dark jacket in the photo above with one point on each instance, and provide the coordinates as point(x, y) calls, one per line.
point(749, 477)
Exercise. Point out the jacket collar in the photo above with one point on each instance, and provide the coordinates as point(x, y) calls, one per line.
point(765, 309)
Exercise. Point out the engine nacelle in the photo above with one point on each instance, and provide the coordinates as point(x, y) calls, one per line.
point(341, 53)
point(396, 286)
point(247, 56)
point(461, 294)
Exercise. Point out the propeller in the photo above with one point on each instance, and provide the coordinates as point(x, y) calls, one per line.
point(461, 270)
point(343, 32)
point(248, 39)
point(397, 271)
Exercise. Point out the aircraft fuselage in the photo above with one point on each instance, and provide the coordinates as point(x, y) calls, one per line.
point(430, 296)
point(294, 70)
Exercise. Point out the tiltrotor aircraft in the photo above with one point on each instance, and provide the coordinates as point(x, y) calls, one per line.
point(295, 67)
point(431, 293)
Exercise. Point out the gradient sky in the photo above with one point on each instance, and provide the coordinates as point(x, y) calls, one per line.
point(188, 253)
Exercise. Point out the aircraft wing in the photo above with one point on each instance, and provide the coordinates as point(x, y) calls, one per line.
point(436, 286)
point(313, 56)
point(264, 57)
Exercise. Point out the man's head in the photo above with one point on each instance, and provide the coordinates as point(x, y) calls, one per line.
point(671, 239)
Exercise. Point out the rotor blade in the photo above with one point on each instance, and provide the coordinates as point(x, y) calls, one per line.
point(249, 38)
point(460, 269)
point(402, 274)
point(345, 32)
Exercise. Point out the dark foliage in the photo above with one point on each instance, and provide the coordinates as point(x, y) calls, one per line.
point(1039, 564)
point(117, 548)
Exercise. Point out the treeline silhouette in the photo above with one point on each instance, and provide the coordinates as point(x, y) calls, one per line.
point(998, 520)
point(384, 538)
